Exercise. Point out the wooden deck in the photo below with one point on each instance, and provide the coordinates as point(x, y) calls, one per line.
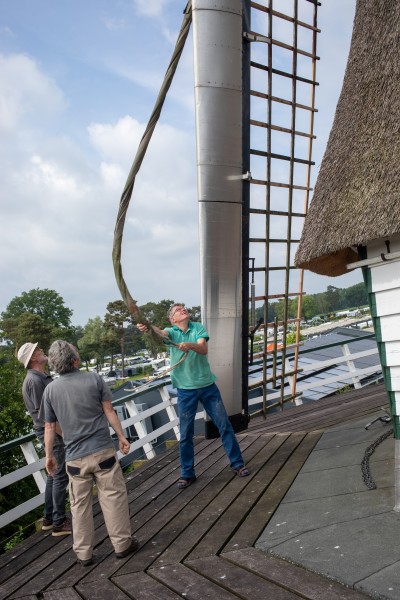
point(197, 543)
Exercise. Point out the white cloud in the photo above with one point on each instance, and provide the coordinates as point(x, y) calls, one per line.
point(49, 175)
point(113, 24)
point(26, 92)
point(6, 30)
point(57, 230)
point(150, 9)
point(63, 166)
point(116, 142)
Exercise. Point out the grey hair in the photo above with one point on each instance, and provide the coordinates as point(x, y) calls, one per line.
point(171, 309)
point(62, 356)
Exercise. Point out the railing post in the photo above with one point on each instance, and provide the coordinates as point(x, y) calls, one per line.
point(170, 410)
point(297, 400)
point(350, 364)
point(140, 427)
point(31, 456)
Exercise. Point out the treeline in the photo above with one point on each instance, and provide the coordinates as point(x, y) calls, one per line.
point(325, 303)
point(40, 315)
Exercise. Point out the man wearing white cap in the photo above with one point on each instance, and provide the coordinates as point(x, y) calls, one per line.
point(34, 360)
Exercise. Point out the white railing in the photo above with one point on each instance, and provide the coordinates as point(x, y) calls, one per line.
point(351, 376)
point(146, 440)
point(35, 466)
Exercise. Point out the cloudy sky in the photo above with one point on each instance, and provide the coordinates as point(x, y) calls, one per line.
point(78, 83)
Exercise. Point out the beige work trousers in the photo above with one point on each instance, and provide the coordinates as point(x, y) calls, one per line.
point(98, 468)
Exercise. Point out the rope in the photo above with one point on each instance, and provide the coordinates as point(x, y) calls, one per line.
point(127, 192)
point(140, 388)
point(365, 470)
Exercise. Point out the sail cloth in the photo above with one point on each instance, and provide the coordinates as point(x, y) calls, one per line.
point(357, 193)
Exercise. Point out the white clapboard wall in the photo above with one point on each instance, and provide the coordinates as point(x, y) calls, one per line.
point(382, 279)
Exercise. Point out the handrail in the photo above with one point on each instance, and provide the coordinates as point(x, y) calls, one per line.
point(147, 439)
point(28, 437)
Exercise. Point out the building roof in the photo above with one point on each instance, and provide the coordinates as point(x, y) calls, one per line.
point(321, 377)
point(357, 193)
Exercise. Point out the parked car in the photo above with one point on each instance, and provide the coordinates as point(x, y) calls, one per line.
point(161, 370)
point(110, 377)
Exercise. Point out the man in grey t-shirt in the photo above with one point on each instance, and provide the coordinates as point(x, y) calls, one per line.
point(34, 360)
point(81, 403)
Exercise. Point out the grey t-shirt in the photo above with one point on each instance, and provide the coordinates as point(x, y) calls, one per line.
point(75, 401)
point(33, 388)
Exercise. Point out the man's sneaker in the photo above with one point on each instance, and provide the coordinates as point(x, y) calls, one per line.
point(47, 524)
point(132, 548)
point(63, 529)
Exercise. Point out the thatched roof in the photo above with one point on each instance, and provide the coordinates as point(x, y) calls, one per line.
point(357, 193)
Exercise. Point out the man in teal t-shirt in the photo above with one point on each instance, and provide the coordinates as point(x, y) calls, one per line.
point(195, 383)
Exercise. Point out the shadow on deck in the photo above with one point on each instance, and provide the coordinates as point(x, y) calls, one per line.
point(201, 542)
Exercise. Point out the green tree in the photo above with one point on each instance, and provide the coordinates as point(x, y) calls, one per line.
point(308, 307)
point(38, 315)
point(76, 333)
point(14, 420)
point(354, 296)
point(291, 338)
point(333, 298)
point(115, 319)
point(27, 327)
point(97, 341)
point(157, 314)
point(279, 309)
point(195, 313)
point(14, 424)
point(133, 339)
point(48, 304)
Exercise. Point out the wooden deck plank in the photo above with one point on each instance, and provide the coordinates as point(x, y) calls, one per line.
point(341, 410)
point(179, 549)
point(220, 514)
point(142, 512)
point(29, 552)
point(64, 594)
point(141, 586)
point(371, 399)
point(143, 483)
point(191, 585)
point(241, 582)
point(327, 417)
point(35, 540)
point(305, 583)
point(60, 571)
point(101, 590)
point(218, 482)
point(31, 569)
point(162, 492)
point(230, 520)
point(177, 515)
point(264, 507)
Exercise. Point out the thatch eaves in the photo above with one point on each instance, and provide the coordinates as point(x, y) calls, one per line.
point(357, 193)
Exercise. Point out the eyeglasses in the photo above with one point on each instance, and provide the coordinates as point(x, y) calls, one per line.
point(178, 309)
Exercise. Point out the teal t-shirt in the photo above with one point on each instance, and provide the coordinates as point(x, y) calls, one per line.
point(194, 372)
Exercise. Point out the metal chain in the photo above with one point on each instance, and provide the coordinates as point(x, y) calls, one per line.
point(366, 474)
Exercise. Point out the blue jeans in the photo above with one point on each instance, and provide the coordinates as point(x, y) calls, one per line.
point(56, 486)
point(211, 400)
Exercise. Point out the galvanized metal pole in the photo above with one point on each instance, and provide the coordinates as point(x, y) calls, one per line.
point(217, 39)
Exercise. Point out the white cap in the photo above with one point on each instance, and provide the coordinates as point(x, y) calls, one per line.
point(25, 353)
